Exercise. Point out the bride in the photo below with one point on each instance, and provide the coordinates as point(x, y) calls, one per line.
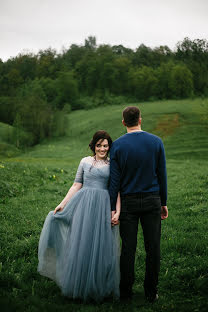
point(79, 248)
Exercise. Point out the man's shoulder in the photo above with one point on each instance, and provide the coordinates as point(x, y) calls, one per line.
point(129, 139)
point(144, 134)
point(153, 136)
point(119, 141)
point(122, 137)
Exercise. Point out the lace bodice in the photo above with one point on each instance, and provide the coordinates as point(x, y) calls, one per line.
point(93, 173)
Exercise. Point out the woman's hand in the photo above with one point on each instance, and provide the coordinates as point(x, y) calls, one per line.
point(115, 217)
point(116, 214)
point(60, 207)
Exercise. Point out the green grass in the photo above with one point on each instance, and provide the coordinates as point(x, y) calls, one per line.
point(33, 183)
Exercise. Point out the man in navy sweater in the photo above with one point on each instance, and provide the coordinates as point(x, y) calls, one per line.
point(138, 172)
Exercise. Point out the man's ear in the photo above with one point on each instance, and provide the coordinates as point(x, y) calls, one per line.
point(123, 122)
point(140, 121)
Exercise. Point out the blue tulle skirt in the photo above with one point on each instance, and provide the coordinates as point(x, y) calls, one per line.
point(79, 249)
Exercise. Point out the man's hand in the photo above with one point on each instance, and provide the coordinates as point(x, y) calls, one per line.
point(164, 212)
point(113, 218)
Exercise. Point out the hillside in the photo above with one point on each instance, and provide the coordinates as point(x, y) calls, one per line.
point(34, 182)
point(181, 124)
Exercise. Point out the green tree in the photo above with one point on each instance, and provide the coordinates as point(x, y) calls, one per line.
point(19, 136)
point(35, 117)
point(14, 80)
point(104, 71)
point(47, 63)
point(108, 77)
point(122, 66)
point(181, 81)
point(143, 83)
point(32, 88)
point(7, 109)
point(90, 43)
point(87, 73)
point(195, 55)
point(163, 74)
point(67, 90)
point(72, 56)
point(122, 51)
point(49, 87)
point(143, 56)
point(160, 55)
point(26, 64)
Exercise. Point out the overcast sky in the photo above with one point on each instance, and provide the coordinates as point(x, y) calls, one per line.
point(31, 25)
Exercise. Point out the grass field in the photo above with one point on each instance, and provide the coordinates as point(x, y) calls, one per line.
point(33, 183)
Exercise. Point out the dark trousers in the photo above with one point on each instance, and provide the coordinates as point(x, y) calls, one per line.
point(145, 207)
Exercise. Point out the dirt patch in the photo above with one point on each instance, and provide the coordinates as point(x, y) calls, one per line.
point(167, 125)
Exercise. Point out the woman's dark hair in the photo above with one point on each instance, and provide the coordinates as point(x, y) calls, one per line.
point(100, 135)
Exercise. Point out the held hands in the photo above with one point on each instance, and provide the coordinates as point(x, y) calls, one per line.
point(114, 218)
point(116, 213)
point(60, 207)
point(164, 212)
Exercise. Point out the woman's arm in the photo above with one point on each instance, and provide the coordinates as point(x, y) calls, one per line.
point(115, 217)
point(76, 186)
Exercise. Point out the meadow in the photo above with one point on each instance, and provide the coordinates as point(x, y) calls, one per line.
point(34, 182)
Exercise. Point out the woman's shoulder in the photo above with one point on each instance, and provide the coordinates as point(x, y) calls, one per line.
point(87, 159)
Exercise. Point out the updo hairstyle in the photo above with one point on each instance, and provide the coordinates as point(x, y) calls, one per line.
point(100, 135)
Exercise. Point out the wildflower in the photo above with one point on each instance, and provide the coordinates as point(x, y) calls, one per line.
point(2, 166)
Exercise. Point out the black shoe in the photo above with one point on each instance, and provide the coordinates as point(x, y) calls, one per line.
point(152, 298)
point(126, 296)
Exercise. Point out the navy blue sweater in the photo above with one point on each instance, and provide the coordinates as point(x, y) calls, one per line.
point(137, 164)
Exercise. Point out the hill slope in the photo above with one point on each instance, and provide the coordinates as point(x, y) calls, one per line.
point(33, 183)
point(183, 126)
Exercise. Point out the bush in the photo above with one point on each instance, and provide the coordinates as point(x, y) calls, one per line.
point(67, 108)
point(7, 150)
point(110, 99)
point(101, 100)
point(20, 138)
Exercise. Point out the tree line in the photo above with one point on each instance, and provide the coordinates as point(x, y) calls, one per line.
point(37, 90)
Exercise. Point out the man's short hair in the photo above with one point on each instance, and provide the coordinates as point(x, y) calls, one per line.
point(131, 115)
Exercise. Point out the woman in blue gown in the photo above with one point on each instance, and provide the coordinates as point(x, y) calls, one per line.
point(79, 248)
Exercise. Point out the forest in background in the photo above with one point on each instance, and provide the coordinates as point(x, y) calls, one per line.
point(38, 90)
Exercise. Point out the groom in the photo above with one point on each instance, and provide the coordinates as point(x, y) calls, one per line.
point(138, 172)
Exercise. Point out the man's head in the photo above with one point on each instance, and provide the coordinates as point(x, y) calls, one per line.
point(131, 116)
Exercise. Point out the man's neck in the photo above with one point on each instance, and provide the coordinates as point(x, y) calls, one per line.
point(133, 129)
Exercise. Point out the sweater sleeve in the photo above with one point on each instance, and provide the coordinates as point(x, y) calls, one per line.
point(115, 176)
point(162, 175)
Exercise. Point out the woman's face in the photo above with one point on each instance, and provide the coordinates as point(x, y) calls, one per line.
point(101, 149)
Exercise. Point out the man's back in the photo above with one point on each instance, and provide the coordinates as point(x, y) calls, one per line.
point(138, 165)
